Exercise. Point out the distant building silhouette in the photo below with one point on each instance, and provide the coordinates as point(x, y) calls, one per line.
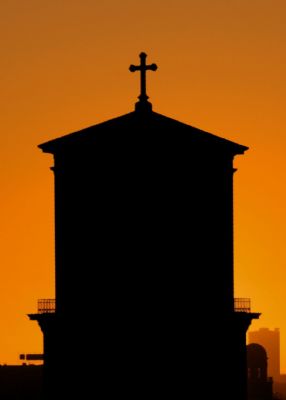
point(144, 262)
point(31, 357)
point(259, 385)
point(270, 340)
point(280, 387)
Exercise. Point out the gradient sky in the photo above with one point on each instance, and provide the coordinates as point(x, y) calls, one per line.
point(64, 66)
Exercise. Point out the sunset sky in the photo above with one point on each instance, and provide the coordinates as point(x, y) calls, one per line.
point(64, 66)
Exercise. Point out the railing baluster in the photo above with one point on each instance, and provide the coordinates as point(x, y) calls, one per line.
point(46, 306)
point(242, 305)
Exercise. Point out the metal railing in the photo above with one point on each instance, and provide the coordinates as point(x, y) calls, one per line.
point(242, 305)
point(46, 306)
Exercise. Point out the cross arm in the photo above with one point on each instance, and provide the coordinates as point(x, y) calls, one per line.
point(152, 67)
point(133, 68)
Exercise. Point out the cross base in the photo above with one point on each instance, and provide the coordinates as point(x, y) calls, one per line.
point(143, 106)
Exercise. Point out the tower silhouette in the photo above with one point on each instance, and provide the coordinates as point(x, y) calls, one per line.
point(144, 261)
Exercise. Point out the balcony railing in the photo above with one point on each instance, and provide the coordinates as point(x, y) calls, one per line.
point(242, 305)
point(46, 306)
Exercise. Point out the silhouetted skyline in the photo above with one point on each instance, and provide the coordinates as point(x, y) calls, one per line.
point(64, 68)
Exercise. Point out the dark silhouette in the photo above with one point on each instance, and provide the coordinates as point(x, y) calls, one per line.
point(143, 67)
point(20, 382)
point(33, 357)
point(270, 340)
point(259, 385)
point(144, 262)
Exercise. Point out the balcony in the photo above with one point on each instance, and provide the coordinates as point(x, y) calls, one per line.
point(242, 305)
point(46, 306)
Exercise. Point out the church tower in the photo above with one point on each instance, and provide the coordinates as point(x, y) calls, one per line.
point(144, 262)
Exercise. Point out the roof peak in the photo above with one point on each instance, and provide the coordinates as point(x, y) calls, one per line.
point(150, 124)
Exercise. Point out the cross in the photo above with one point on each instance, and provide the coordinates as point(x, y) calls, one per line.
point(143, 67)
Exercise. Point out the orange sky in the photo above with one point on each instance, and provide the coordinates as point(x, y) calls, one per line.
point(64, 66)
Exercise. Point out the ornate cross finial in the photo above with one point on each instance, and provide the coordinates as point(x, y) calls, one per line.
point(143, 67)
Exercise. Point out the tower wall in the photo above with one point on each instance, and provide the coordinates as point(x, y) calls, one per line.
point(143, 224)
point(144, 263)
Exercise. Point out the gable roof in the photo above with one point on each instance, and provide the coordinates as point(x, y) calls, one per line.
point(141, 123)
